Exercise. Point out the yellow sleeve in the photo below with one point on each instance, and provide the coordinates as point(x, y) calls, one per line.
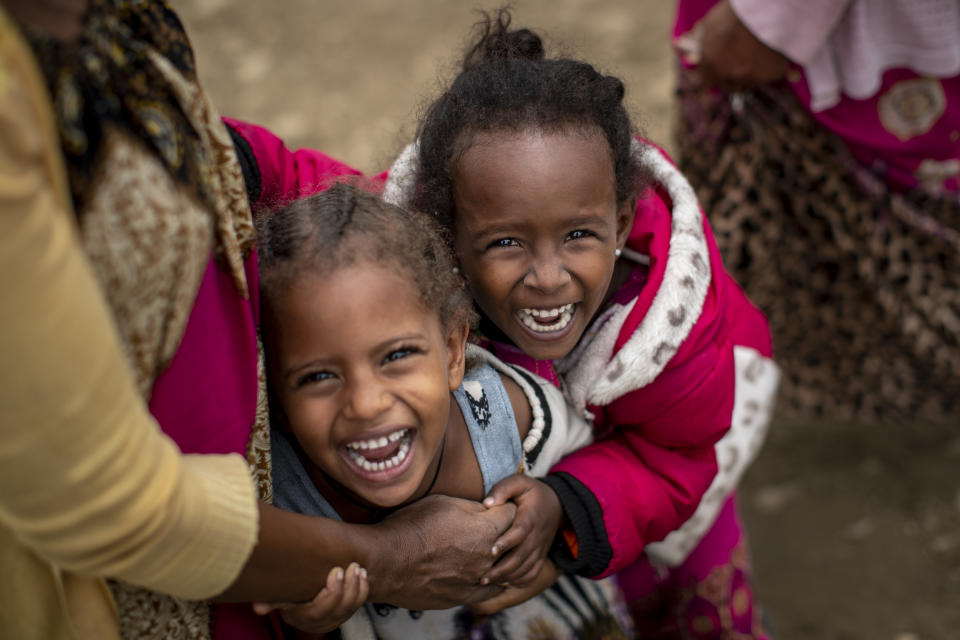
point(87, 479)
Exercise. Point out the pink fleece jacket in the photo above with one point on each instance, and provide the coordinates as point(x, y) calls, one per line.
point(275, 175)
point(661, 374)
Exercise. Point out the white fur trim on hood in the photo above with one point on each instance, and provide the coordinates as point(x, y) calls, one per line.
point(677, 305)
point(400, 181)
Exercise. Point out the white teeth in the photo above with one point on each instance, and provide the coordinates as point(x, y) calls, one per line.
point(379, 465)
point(562, 314)
point(376, 443)
point(547, 313)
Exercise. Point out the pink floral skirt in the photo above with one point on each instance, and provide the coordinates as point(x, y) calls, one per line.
point(708, 596)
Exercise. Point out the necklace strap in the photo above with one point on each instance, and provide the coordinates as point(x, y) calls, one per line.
point(436, 474)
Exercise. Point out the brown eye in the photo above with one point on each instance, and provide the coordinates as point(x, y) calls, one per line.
point(314, 377)
point(580, 234)
point(503, 242)
point(400, 354)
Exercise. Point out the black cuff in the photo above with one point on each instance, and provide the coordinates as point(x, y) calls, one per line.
point(586, 517)
point(248, 165)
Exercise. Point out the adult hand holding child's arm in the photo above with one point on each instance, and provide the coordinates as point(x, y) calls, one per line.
point(429, 555)
point(441, 547)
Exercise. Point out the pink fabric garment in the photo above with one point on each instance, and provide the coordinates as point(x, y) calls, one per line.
point(212, 380)
point(288, 175)
point(907, 133)
point(512, 355)
point(663, 444)
point(708, 596)
point(800, 28)
point(845, 47)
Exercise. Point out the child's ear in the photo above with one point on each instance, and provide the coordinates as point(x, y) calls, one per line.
point(625, 213)
point(456, 353)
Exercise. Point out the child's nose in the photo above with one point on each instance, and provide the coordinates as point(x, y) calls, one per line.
point(368, 398)
point(547, 274)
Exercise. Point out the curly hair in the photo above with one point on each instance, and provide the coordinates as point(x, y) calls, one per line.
point(507, 83)
point(346, 225)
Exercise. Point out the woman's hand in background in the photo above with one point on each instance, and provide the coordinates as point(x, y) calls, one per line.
point(730, 56)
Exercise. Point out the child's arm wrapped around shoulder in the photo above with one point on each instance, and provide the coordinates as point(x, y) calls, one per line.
point(555, 429)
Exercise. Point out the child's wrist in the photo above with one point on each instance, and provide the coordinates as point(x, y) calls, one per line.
point(556, 516)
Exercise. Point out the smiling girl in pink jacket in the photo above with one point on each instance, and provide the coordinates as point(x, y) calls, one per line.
point(592, 265)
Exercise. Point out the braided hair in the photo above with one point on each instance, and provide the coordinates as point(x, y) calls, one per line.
point(346, 225)
point(507, 83)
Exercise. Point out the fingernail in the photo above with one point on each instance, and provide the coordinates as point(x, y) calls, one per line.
point(363, 573)
point(339, 575)
point(495, 550)
point(488, 501)
point(484, 581)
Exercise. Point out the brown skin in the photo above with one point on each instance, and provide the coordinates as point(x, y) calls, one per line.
point(429, 555)
point(731, 57)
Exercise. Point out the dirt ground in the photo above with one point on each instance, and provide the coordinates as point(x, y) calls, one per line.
point(855, 529)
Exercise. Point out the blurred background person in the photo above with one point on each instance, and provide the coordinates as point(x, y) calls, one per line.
point(823, 138)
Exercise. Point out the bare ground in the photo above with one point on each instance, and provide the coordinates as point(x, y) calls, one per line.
point(855, 529)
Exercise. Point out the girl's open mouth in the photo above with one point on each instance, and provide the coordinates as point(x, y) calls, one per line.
point(383, 456)
point(547, 320)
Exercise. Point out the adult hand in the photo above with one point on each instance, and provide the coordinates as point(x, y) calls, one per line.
point(440, 549)
point(730, 56)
